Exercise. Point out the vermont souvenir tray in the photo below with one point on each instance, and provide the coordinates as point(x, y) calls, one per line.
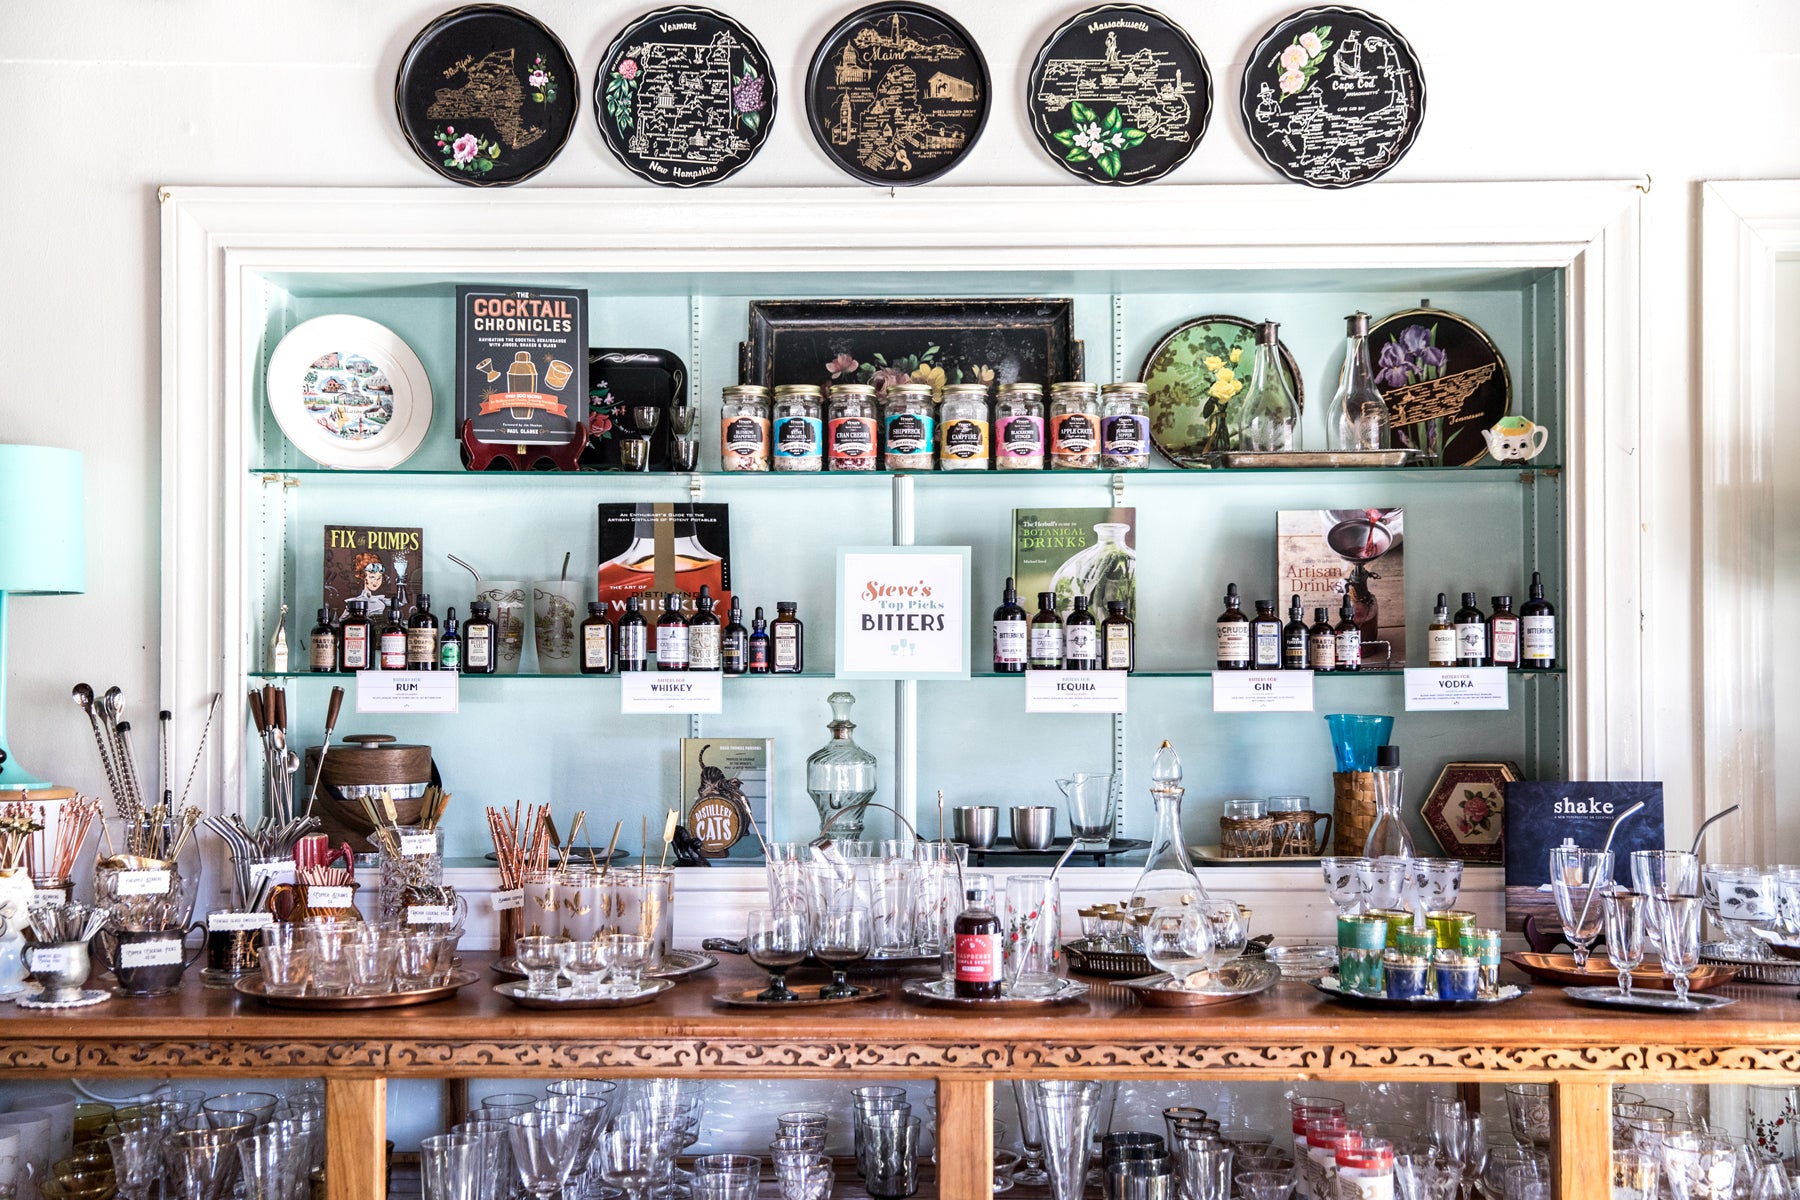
point(1332, 97)
point(486, 95)
point(897, 94)
point(1119, 94)
point(684, 96)
point(1611, 997)
point(1194, 373)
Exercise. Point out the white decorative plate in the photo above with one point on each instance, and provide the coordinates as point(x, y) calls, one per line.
point(349, 393)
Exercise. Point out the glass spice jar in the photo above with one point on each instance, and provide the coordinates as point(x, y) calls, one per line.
point(744, 428)
point(850, 428)
point(1125, 426)
point(1074, 426)
point(1019, 427)
point(908, 423)
point(799, 432)
point(963, 426)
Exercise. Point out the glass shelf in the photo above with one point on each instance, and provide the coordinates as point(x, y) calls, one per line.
point(973, 675)
point(1486, 472)
point(531, 675)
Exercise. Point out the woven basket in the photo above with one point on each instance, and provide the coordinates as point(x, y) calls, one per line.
point(1353, 810)
point(1246, 837)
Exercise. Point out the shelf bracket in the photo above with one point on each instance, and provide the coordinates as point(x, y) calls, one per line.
point(286, 481)
point(694, 721)
point(1118, 489)
point(696, 488)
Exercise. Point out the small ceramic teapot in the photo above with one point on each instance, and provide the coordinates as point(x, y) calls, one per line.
point(1515, 439)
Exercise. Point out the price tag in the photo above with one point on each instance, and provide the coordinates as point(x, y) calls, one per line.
point(50, 960)
point(163, 953)
point(1075, 691)
point(430, 914)
point(275, 872)
point(1262, 691)
point(231, 922)
point(330, 897)
point(417, 845)
point(51, 897)
point(671, 692)
point(508, 899)
point(407, 691)
point(1452, 689)
point(143, 883)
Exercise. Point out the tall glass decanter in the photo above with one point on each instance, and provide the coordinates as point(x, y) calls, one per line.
point(841, 774)
point(1357, 418)
point(1388, 837)
point(1168, 878)
point(1270, 420)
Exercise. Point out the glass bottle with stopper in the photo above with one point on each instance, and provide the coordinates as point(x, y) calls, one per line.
point(1358, 417)
point(1168, 878)
point(841, 774)
point(1270, 417)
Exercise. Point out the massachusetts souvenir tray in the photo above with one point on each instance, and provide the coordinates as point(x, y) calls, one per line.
point(1560, 968)
point(1329, 986)
point(252, 985)
point(1233, 981)
point(1662, 1002)
point(564, 1001)
point(940, 993)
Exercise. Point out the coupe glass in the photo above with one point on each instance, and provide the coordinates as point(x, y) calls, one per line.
point(545, 1143)
point(843, 935)
point(538, 958)
point(1679, 919)
point(625, 955)
point(1625, 934)
point(1178, 941)
point(777, 940)
point(1348, 882)
point(1580, 878)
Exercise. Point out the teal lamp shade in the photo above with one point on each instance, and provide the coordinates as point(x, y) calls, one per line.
point(42, 549)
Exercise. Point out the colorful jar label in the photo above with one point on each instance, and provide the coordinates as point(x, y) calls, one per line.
point(1021, 437)
point(909, 434)
point(745, 443)
point(965, 439)
point(798, 437)
point(977, 957)
point(852, 439)
point(1073, 433)
point(1128, 434)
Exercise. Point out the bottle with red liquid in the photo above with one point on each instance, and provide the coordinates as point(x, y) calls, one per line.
point(978, 954)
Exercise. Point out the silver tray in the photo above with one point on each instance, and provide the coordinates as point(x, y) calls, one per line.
point(1233, 981)
point(1310, 458)
point(252, 985)
point(1329, 986)
point(1647, 1001)
point(1752, 970)
point(1089, 959)
point(677, 964)
point(564, 1002)
point(940, 992)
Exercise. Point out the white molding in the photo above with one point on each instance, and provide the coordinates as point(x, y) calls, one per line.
point(218, 242)
point(1745, 228)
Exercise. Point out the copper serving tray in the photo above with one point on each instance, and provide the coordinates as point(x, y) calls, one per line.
point(1560, 968)
point(252, 985)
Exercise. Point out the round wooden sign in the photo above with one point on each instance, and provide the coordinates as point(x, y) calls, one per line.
point(685, 97)
point(717, 823)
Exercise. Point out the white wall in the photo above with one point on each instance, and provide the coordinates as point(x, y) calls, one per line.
point(105, 99)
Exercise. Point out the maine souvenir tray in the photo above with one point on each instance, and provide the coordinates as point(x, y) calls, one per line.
point(1663, 1002)
point(808, 997)
point(252, 986)
point(677, 964)
point(564, 1001)
point(1561, 968)
point(1750, 970)
point(1329, 986)
point(1233, 981)
point(941, 993)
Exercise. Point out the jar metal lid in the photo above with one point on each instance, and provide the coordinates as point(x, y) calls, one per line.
point(1128, 388)
point(1021, 389)
point(744, 391)
point(908, 389)
point(852, 389)
point(1073, 386)
point(798, 389)
point(965, 389)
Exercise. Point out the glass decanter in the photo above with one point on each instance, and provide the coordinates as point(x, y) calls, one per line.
point(1357, 418)
point(1388, 837)
point(841, 774)
point(1106, 570)
point(1168, 878)
point(1270, 420)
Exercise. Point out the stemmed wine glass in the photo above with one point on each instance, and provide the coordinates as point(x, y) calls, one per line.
point(1580, 878)
point(844, 935)
point(1661, 872)
point(776, 940)
point(1625, 934)
point(1179, 941)
point(1348, 882)
point(1678, 918)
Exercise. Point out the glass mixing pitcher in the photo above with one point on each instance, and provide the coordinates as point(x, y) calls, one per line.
point(1091, 811)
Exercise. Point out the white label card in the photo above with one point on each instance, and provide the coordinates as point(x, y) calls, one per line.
point(1075, 691)
point(1451, 689)
point(48, 897)
point(48, 960)
point(228, 922)
point(330, 897)
point(1262, 691)
point(508, 899)
point(143, 883)
point(408, 691)
point(418, 845)
point(163, 953)
point(671, 692)
point(430, 914)
point(275, 872)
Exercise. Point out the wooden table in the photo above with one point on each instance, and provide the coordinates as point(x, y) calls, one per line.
point(1290, 1033)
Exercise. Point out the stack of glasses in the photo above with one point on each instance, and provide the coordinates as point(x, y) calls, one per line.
point(887, 1141)
point(324, 956)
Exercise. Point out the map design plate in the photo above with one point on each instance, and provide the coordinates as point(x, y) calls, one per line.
point(1432, 365)
point(486, 95)
point(897, 94)
point(1119, 94)
point(1332, 97)
point(685, 97)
